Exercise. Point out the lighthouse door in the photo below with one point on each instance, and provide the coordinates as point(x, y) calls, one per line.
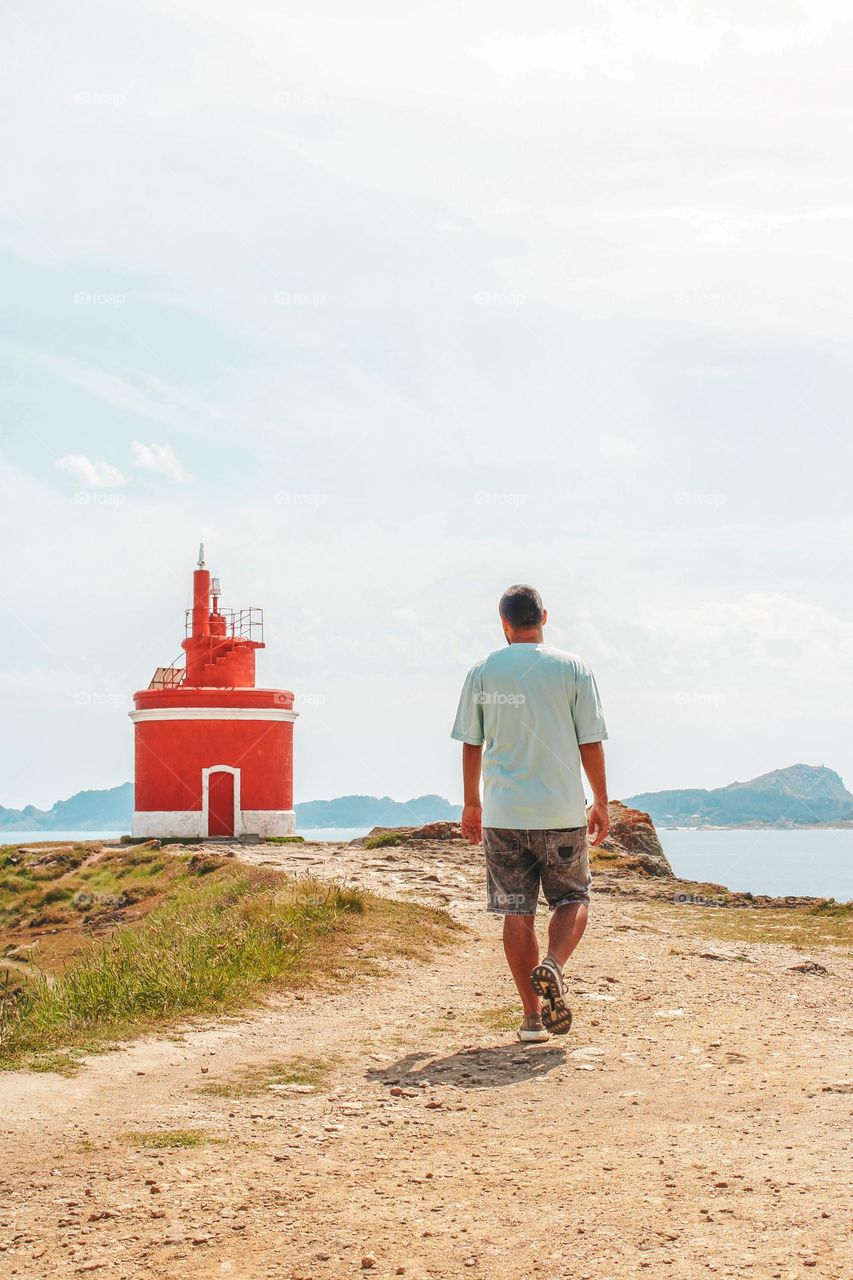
point(220, 813)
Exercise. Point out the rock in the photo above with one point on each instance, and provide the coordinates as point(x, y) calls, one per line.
point(437, 831)
point(368, 1261)
point(808, 966)
point(633, 838)
point(430, 831)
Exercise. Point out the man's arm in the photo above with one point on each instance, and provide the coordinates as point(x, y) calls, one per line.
point(472, 812)
point(592, 758)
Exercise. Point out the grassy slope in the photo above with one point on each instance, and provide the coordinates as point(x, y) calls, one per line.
point(217, 935)
point(821, 925)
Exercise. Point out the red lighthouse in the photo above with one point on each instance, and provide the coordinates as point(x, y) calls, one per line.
point(214, 754)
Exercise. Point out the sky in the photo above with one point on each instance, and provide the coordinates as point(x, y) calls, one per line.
point(396, 305)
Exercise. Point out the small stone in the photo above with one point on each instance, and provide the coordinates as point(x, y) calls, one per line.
point(368, 1261)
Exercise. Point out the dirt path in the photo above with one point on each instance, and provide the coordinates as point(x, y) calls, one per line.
point(695, 1122)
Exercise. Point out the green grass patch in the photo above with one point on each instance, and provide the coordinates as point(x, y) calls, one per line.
point(284, 839)
point(47, 886)
point(385, 840)
point(221, 936)
point(824, 924)
point(505, 1018)
point(58, 1063)
point(829, 908)
point(168, 1139)
point(257, 1079)
point(208, 946)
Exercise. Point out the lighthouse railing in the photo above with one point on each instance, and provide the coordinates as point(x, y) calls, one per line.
point(240, 624)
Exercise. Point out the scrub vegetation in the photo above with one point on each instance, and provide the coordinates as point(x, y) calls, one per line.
point(148, 939)
point(820, 924)
point(385, 840)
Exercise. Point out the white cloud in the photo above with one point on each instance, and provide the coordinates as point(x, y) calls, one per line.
point(159, 458)
point(93, 474)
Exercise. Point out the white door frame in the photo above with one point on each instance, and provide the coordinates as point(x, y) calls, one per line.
point(205, 798)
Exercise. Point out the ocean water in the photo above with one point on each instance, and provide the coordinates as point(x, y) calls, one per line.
point(816, 863)
point(334, 833)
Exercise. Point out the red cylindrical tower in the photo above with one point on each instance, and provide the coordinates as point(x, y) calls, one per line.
point(214, 754)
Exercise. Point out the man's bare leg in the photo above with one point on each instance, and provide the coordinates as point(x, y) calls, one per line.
point(521, 947)
point(565, 931)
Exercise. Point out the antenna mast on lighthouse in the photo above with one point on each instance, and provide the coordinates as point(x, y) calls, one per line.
point(201, 555)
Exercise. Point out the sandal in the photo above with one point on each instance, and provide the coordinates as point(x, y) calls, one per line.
point(547, 982)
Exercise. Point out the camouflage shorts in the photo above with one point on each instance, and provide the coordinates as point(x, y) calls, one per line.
point(518, 862)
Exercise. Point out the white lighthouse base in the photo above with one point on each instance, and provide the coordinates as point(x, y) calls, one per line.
point(192, 823)
point(268, 822)
point(182, 823)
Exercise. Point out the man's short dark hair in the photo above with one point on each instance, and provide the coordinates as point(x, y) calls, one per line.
point(521, 606)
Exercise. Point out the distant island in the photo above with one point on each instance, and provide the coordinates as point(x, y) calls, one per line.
point(111, 810)
point(375, 811)
point(802, 795)
point(799, 796)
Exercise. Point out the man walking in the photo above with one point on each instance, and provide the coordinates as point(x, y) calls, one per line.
point(537, 713)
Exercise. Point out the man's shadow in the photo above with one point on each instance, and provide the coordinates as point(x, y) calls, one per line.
point(473, 1068)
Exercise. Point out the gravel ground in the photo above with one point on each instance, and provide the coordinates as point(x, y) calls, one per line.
point(695, 1122)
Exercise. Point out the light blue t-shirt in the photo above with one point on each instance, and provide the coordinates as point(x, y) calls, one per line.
point(532, 707)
